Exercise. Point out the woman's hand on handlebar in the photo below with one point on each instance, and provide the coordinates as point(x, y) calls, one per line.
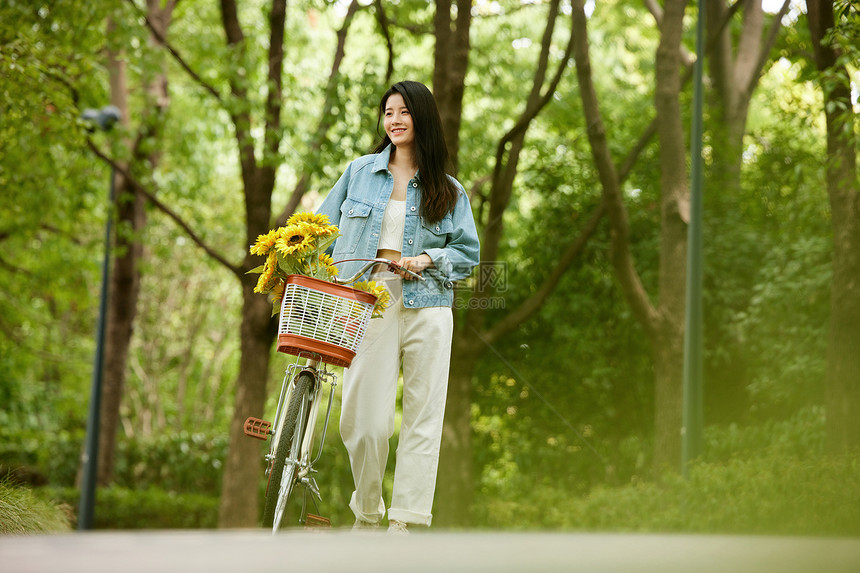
point(406, 272)
point(414, 264)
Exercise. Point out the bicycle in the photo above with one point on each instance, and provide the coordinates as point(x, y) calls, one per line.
point(322, 323)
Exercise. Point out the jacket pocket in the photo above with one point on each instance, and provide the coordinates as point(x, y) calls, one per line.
point(353, 222)
point(435, 234)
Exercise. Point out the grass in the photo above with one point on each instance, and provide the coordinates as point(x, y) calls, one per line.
point(23, 511)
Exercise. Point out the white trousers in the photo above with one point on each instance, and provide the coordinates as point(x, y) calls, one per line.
point(420, 341)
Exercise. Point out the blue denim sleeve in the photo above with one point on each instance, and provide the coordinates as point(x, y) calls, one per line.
point(463, 251)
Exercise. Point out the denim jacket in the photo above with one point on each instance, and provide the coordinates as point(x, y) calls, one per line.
point(356, 204)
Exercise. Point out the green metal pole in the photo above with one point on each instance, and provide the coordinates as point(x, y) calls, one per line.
point(691, 431)
point(86, 507)
point(104, 120)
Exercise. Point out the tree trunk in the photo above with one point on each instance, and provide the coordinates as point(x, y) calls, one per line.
point(843, 359)
point(239, 494)
point(455, 459)
point(456, 476)
point(668, 353)
point(449, 71)
point(731, 71)
point(665, 322)
point(131, 218)
point(674, 217)
point(123, 290)
point(122, 309)
point(239, 491)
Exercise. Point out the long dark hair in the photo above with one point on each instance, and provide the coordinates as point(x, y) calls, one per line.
point(439, 193)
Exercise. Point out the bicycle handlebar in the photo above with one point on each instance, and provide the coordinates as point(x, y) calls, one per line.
point(392, 266)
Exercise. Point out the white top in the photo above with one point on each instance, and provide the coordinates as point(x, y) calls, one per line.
point(393, 223)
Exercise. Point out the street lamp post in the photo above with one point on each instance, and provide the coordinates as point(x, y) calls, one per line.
point(692, 424)
point(103, 119)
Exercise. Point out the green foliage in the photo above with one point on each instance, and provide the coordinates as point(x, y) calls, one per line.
point(767, 281)
point(184, 356)
point(803, 432)
point(771, 479)
point(181, 463)
point(147, 508)
point(569, 405)
point(56, 459)
point(53, 208)
point(844, 37)
point(767, 495)
point(555, 394)
point(168, 481)
point(23, 511)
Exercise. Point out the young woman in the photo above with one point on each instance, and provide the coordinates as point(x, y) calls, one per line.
point(400, 204)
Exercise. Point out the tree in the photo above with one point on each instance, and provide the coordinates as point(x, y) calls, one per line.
point(835, 44)
point(735, 58)
point(472, 335)
point(259, 159)
point(740, 39)
point(737, 72)
point(52, 211)
point(450, 62)
point(238, 501)
point(130, 207)
point(664, 320)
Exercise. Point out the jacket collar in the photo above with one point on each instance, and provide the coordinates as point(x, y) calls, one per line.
point(382, 159)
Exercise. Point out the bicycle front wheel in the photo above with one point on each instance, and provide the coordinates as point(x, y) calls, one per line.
point(282, 477)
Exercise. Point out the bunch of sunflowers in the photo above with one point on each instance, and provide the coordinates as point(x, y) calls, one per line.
point(299, 249)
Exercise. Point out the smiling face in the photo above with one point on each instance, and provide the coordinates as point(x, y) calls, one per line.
point(398, 122)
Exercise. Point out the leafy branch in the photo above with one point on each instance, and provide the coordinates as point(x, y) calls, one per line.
point(173, 215)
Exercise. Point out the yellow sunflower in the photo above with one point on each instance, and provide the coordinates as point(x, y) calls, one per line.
point(320, 231)
point(264, 243)
point(294, 240)
point(295, 249)
point(267, 278)
point(312, 218)
point(276, 295)
point(383, 298)
point(316, 225)
point(328, 263)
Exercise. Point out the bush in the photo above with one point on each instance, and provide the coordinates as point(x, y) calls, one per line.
point(773, 494)
point(122, 508)
point(769, 494)
point(22, 510)
point(803, 432)
point(771, 478)
point(181, 462)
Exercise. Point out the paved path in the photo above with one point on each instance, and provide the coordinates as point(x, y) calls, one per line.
point(431, 551)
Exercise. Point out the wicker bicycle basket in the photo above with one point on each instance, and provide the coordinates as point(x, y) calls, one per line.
point(322, 317)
